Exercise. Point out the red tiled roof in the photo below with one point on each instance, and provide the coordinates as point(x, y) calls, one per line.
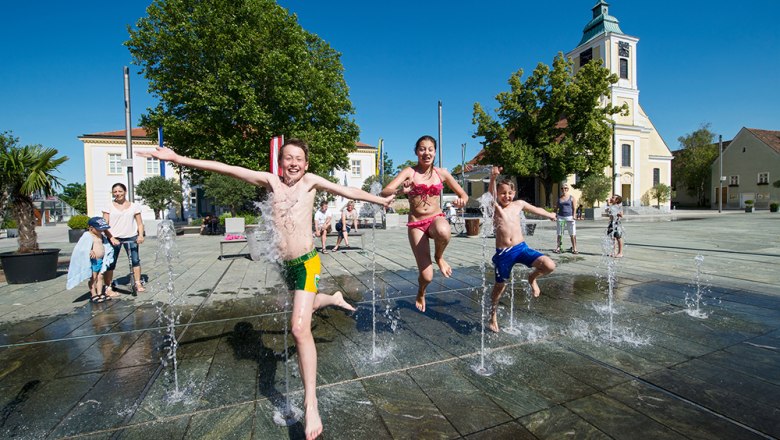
point(135, 132)
point(769, 137)
point(363, 145)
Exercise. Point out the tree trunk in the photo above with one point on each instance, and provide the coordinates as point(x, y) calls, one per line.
point(23, 213)
point(547, 184)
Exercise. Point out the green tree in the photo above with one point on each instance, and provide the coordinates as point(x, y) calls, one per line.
point(595, 188)
point(661, 193)
point(158, 193)
point(24, 172)
point(552, 125)
point(227, 191)
point(406, 164)
point(691, 166)
point(230, 74)
point(388, 165)
point(75, 195)
point(374, 178)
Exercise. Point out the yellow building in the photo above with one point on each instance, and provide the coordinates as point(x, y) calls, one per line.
point(641, 159)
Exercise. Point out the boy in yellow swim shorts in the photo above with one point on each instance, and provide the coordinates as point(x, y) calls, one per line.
point(292, 206)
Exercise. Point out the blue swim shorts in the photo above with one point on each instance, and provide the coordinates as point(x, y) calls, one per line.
point(97, 264)
point(506, 258)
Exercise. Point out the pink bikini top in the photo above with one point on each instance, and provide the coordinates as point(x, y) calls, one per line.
point(424, 190)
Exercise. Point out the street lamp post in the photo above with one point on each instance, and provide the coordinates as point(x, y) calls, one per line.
point(720, 175)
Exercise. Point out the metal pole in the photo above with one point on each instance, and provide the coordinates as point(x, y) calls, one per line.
point(441, 147)
point(128, 138)
point(463, 165)
point(614, 155)
point(720, 176)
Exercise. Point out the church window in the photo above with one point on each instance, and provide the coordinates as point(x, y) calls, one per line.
point(585, 56)
point(623, 68)
point(656, 176)
point(626, 155)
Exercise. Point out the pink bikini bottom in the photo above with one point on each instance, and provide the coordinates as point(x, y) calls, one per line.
point(425, 223)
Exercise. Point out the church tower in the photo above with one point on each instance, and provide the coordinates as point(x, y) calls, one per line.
point(641, 158)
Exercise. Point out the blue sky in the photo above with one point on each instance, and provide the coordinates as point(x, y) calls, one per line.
point(698, 61)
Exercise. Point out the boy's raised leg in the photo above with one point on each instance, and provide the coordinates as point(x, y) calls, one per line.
point(542, 266)
point(337, 299)
point(303, 304)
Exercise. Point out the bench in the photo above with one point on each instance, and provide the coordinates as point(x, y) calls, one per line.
point(354, 233)
point(223, 242)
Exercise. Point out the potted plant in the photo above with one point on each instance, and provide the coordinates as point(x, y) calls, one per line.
point(77, 225)
point(10, 227)
point(773, 206)
point(25, 172)
point(595, 188)
point(748, 206)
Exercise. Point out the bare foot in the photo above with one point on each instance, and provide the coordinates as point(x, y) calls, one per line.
point(111, 293)
point(420, 302)
point(445, 268)
point(619, 256)
point(338, 301)
point(313, 423)
point(535, 288)
point(493, 324)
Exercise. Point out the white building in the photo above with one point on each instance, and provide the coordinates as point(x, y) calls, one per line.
point(105, 151)
point(103, 167)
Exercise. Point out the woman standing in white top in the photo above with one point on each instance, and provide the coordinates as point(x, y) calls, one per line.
point(127, 229)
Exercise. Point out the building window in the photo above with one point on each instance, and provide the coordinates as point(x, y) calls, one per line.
point(585, 56)
point(114, 163)
point(733, 180)
point(152, 166)
point(626, 155)
point(468, 188)
point(356, 168)
point(623, 68)
point(656, 176)
point(763, 178)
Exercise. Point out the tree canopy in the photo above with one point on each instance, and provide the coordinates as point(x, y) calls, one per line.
point(227, 191)
point(691, 165)
point(75, 195)
point(230, 74)
point(552, 125)
point(158, 193)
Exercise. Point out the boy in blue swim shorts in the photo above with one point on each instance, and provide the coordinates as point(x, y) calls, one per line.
point(511, 247)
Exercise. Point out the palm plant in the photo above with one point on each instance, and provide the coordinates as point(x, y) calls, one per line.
point(24, 172)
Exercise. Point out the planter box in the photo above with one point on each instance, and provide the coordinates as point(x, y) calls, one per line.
point(749, 209)
point(30, 268)
point(75, 234)
point(11, 232)
point(590, 213)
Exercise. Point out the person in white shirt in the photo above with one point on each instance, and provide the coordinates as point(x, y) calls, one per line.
point(322, 226)
point(127, 229)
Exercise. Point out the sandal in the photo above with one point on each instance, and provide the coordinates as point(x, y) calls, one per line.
point(335, 249)
point(98, 299)
point(557, 251)
point(573, 251)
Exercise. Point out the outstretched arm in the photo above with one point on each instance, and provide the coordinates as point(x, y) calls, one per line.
point(258, 178)
point(456, 188)
point(495, 171)
point(323, 184)
point(527, 207)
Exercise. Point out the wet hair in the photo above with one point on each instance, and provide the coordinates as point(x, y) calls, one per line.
point(296, 143)
point(424, 138)
point(323, 203)
point(506, 181)
point(119, 184)
point(618, 199)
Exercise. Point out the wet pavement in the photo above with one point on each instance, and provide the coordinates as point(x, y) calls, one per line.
point(72, 369)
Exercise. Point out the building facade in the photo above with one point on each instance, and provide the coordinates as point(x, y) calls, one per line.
point(641, 157)
point(104, 154)
point(751, 163)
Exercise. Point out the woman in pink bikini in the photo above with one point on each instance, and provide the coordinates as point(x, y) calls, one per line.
point(423, 185)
